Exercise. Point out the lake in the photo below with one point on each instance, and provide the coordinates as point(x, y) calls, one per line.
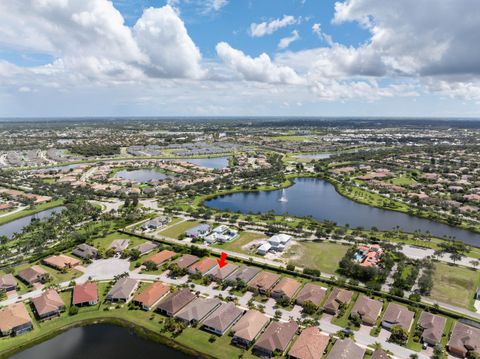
point(141, 176)
point(319, 199)
point(16, 226)
point(216, 163)
point(317, 156)
point(100, 341)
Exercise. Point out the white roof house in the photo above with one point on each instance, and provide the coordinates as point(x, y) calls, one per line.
point(264, 248)
point(279, 241)
point(220, 229)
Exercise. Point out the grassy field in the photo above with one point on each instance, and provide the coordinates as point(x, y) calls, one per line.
point(323, 256)
point(104, 242)
point(402, 181)
point(291, 138)
point(28, 211)
point(176, 230)
point(237, 244)
point(455, 285)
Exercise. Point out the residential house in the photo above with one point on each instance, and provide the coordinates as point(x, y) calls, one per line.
point(337, 298)
point(432, 326)
point(202, 266)
point(345, 348)
point(311, 292)
point(279, 242)
point(119, 245)
point(173, 303)
point(248, 328)
point(275, 339)
point(286, 287)
point(14, 320)
point(367, 309)
point(222, 318)
point(155, 223)
point(197, 310)
point(85, 251)
point(263, 282)
point(186, 261)
point(310, 344)
point(33, 274)
point(146, 247)
point(380, 354)
point(122, 290)
point(220, 274)
point(48, 305)
point(464, 339)
point(85, 294)
point(264, 248)
point(397, 314)
point(161, 257)
point(152, 295)
point(7, 283)
point(61, 262)
point(198, 231)
point(244, 274)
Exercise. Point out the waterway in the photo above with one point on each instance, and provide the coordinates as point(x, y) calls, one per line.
point(141, 176)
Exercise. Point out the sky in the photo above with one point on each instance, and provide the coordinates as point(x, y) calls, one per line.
point(75, 58)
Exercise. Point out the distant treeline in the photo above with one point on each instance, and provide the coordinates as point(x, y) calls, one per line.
point(93, 150)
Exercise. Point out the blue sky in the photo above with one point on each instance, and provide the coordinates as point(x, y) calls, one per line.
point(239, 57)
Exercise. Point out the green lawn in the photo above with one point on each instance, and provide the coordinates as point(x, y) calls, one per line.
point(176, 230)
point(243, 239)
point(104, 242)
point(454, 285)
point(323, 256)
point(402, 181)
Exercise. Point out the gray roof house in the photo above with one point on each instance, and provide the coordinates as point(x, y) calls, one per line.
point(197, 310)
point(85, 251)
point(275, 338)
point(146, 247)
point(244, 273)
point(186, 261)
point(397, 314)
point(345, 348)
point(122, 290)
point(198, 231)
point(433, 327)
point(119, 245)
point(222, 318)
point(172, 305)
point(220, 274)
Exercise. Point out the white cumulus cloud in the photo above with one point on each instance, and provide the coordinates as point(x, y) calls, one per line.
point(268, 28)
point(286, 41)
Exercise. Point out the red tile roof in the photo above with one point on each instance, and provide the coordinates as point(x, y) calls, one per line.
point(84, 293)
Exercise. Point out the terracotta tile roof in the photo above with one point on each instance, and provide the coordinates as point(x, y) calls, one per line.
point(433, 327)
point(152, 294)
point(61, 261)
point(186, 261)
point(380, 354)
point(286, 287)
point(277, 337)
point(368, 309)
point(313, 293)
point(250, 325)
point(13, 316)
point(264, 281)
point(160, 257)
point(397, 314)
point(464, 338)
point(336, 298)
point(203, 266)
point(7, 281)
point(50, 301)
point(32, 274)
point(310, 344)
point(84, 293)
point(345, 349)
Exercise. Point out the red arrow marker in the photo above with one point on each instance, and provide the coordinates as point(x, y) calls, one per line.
point(223, 260)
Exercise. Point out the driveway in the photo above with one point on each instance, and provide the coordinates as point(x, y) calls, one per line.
point(105, 269)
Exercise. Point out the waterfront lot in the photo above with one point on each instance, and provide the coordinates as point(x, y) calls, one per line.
point(243, 239)
point(454, 285)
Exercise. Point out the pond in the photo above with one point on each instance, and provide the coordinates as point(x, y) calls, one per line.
point(319, 199)
point(141, 176)
point(16, 226)
point(100, 341)
point(317, 156)
point(216, 163)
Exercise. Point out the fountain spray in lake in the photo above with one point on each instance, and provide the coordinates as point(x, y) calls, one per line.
point(284, 197)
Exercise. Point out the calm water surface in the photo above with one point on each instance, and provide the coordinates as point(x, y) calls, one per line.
point(217, 163)
point(101, 341)
point(16, 226)
point(319, 199)
point(144, 175)
point(318, 156)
